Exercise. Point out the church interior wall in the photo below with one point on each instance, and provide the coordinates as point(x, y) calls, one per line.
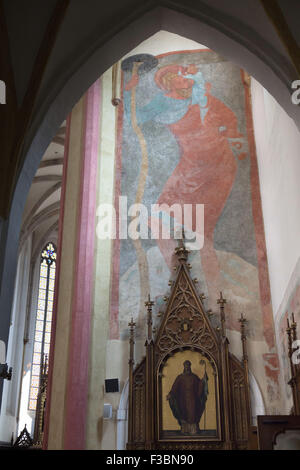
point(79, 56)
point(101, 298)
point(277, 144)
point(116, 357)
point(66, 277)
point(15, 346)
point(108, 351)
point(259, 326)
point(113, 362)
point(15, 410)
point(290, 304)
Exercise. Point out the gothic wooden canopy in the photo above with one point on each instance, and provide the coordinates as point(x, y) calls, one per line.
point(189, 391)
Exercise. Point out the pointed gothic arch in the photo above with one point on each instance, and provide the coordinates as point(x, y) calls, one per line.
point(231, 38)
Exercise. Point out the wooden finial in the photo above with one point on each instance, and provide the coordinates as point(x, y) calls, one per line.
point(294, 328)
point(289, 335)
point(242, 320)
point(221, 301)
point(149, 304)
point(131, 324)
point(181, 251)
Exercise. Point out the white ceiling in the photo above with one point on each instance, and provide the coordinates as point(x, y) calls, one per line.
point(41, 213)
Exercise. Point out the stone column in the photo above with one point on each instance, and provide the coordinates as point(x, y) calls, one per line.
point(65, 426)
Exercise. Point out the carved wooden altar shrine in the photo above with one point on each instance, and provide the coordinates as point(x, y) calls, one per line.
point(189, 392)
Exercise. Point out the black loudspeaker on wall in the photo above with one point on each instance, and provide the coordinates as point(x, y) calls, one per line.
point(111, 385)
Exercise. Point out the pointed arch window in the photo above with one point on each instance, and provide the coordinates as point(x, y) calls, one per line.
point(43, 319)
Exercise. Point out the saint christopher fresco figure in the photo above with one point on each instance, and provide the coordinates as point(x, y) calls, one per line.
point(187, 399)
point(206, 130)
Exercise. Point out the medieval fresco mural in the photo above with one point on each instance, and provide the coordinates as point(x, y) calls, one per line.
point(185, 137)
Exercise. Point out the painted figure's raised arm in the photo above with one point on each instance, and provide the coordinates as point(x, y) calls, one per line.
point(160, 108)
point(148, 112)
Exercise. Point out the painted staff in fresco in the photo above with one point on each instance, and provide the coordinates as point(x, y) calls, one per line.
point(187, 399)
point(206, 131)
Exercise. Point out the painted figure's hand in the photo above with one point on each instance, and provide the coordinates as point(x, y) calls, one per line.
point(192, 69)
point(132, 82)
point(183, 71)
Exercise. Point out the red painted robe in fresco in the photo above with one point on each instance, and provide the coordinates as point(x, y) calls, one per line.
point(207, 167)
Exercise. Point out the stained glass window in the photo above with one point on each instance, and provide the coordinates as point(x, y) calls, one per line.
point(43, 319)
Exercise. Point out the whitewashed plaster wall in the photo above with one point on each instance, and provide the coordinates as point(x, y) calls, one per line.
point(11, 389)
point(96, 429)
point(14, 410)
point(26, 416)
point(163, 42)
point(278, 154)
